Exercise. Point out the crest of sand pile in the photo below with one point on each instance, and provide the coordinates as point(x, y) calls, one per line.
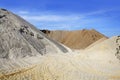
point(108, 49)
point(71, 66)
point(78, 39)
point(97, 42)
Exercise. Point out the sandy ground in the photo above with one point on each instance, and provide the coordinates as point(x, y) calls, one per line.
point(96, 63)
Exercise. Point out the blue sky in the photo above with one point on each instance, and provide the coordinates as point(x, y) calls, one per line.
point(102, 15)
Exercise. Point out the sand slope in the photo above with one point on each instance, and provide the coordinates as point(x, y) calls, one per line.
point(79, 39)
point(19, 39)
point(97, 42)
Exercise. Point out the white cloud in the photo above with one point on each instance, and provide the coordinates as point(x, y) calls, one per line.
point(97, 12)
point(37, 16)
point(23, 12)
point(55, 18)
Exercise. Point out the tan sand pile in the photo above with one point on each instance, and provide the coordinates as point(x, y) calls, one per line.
point(79, 39)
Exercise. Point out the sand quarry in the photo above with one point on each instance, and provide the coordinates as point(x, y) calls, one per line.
point(28, 54)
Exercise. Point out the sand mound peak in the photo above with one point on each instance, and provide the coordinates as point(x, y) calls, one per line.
point(78, 39)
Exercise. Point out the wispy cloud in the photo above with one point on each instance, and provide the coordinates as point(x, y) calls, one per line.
point(23, 12)
point(98, 12)
point(94, 19)
point(55, 18)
